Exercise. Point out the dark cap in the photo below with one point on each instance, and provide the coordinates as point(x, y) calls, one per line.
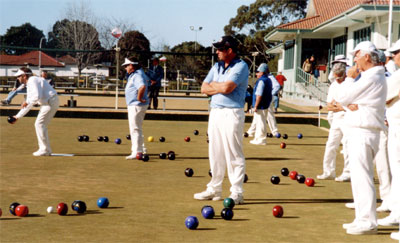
point(227, 42)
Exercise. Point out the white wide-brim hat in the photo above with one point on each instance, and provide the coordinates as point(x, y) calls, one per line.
point(127, 62)
point(340, 58)
point(20, 72)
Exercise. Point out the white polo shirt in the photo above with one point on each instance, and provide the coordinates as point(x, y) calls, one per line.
point(39, 91)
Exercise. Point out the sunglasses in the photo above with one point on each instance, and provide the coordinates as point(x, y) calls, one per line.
point(222, 49)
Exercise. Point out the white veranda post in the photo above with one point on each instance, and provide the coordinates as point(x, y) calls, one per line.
point(117, 33)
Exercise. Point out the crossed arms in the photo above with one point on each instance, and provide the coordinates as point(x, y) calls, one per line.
point(213, 88)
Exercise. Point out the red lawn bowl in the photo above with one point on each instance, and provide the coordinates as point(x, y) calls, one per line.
point(62, 209)
point(293, 175)
point(310, 182)
point(277, 211)
point(22, 211)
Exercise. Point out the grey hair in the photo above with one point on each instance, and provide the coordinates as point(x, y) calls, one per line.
point(339, 69)
point(374, 56)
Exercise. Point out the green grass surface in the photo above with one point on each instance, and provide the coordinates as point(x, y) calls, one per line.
point(150, 201)
point(285, 108)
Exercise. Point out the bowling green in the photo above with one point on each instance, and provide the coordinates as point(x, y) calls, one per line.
point(149, 201)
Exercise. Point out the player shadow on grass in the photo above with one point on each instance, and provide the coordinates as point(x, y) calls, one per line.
point(316, 136)
point(101, 154)
point(307, 144)
point(273, 201)
point(270, 159)
point(385, 233)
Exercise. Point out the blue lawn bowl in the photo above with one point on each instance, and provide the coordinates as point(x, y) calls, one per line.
point(278, 135)
point(191, 222)
point(79, 206)
point(103, 202)
point(118, 141)
point(208, 212)
point(299, 136)
point(227, 213)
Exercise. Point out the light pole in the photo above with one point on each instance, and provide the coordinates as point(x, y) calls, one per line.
point(40, 54)
point(192, 28)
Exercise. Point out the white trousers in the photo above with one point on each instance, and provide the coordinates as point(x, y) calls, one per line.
point(382, 167)
point(225, 132)
point(259, 126)
point(394, 160)
point(270, 119)
point(335, 137)
point(136, 115)
point(46, 113)
point(362, 146)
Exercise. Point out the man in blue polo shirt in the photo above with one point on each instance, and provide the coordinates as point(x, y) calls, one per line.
point(226, 83)
point(137, 102)
point(261, 101)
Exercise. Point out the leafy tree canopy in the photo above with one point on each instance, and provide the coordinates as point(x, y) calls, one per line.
point(253, 22)
point(25, 35)
point(135, 44)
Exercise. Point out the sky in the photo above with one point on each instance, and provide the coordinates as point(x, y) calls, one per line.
point(161, 21)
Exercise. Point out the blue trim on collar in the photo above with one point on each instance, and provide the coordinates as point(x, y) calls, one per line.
point(221, 64)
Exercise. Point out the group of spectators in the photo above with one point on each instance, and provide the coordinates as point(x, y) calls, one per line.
point(364, 114)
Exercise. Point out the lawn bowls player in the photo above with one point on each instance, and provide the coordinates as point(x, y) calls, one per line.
point(336, 132)
point(271, 120)
point(393, 118)
point(39, 91)
point(381, 158)
point(226, 83)
point(137, 102)
point(261, 102)
point(364, 102)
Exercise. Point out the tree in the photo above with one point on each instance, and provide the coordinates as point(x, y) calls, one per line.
point(25, 35)
point(135, 44)
point(79, 36)
point(55, 37)
point(190, 66)
point(78, 32)
point(253, 22)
